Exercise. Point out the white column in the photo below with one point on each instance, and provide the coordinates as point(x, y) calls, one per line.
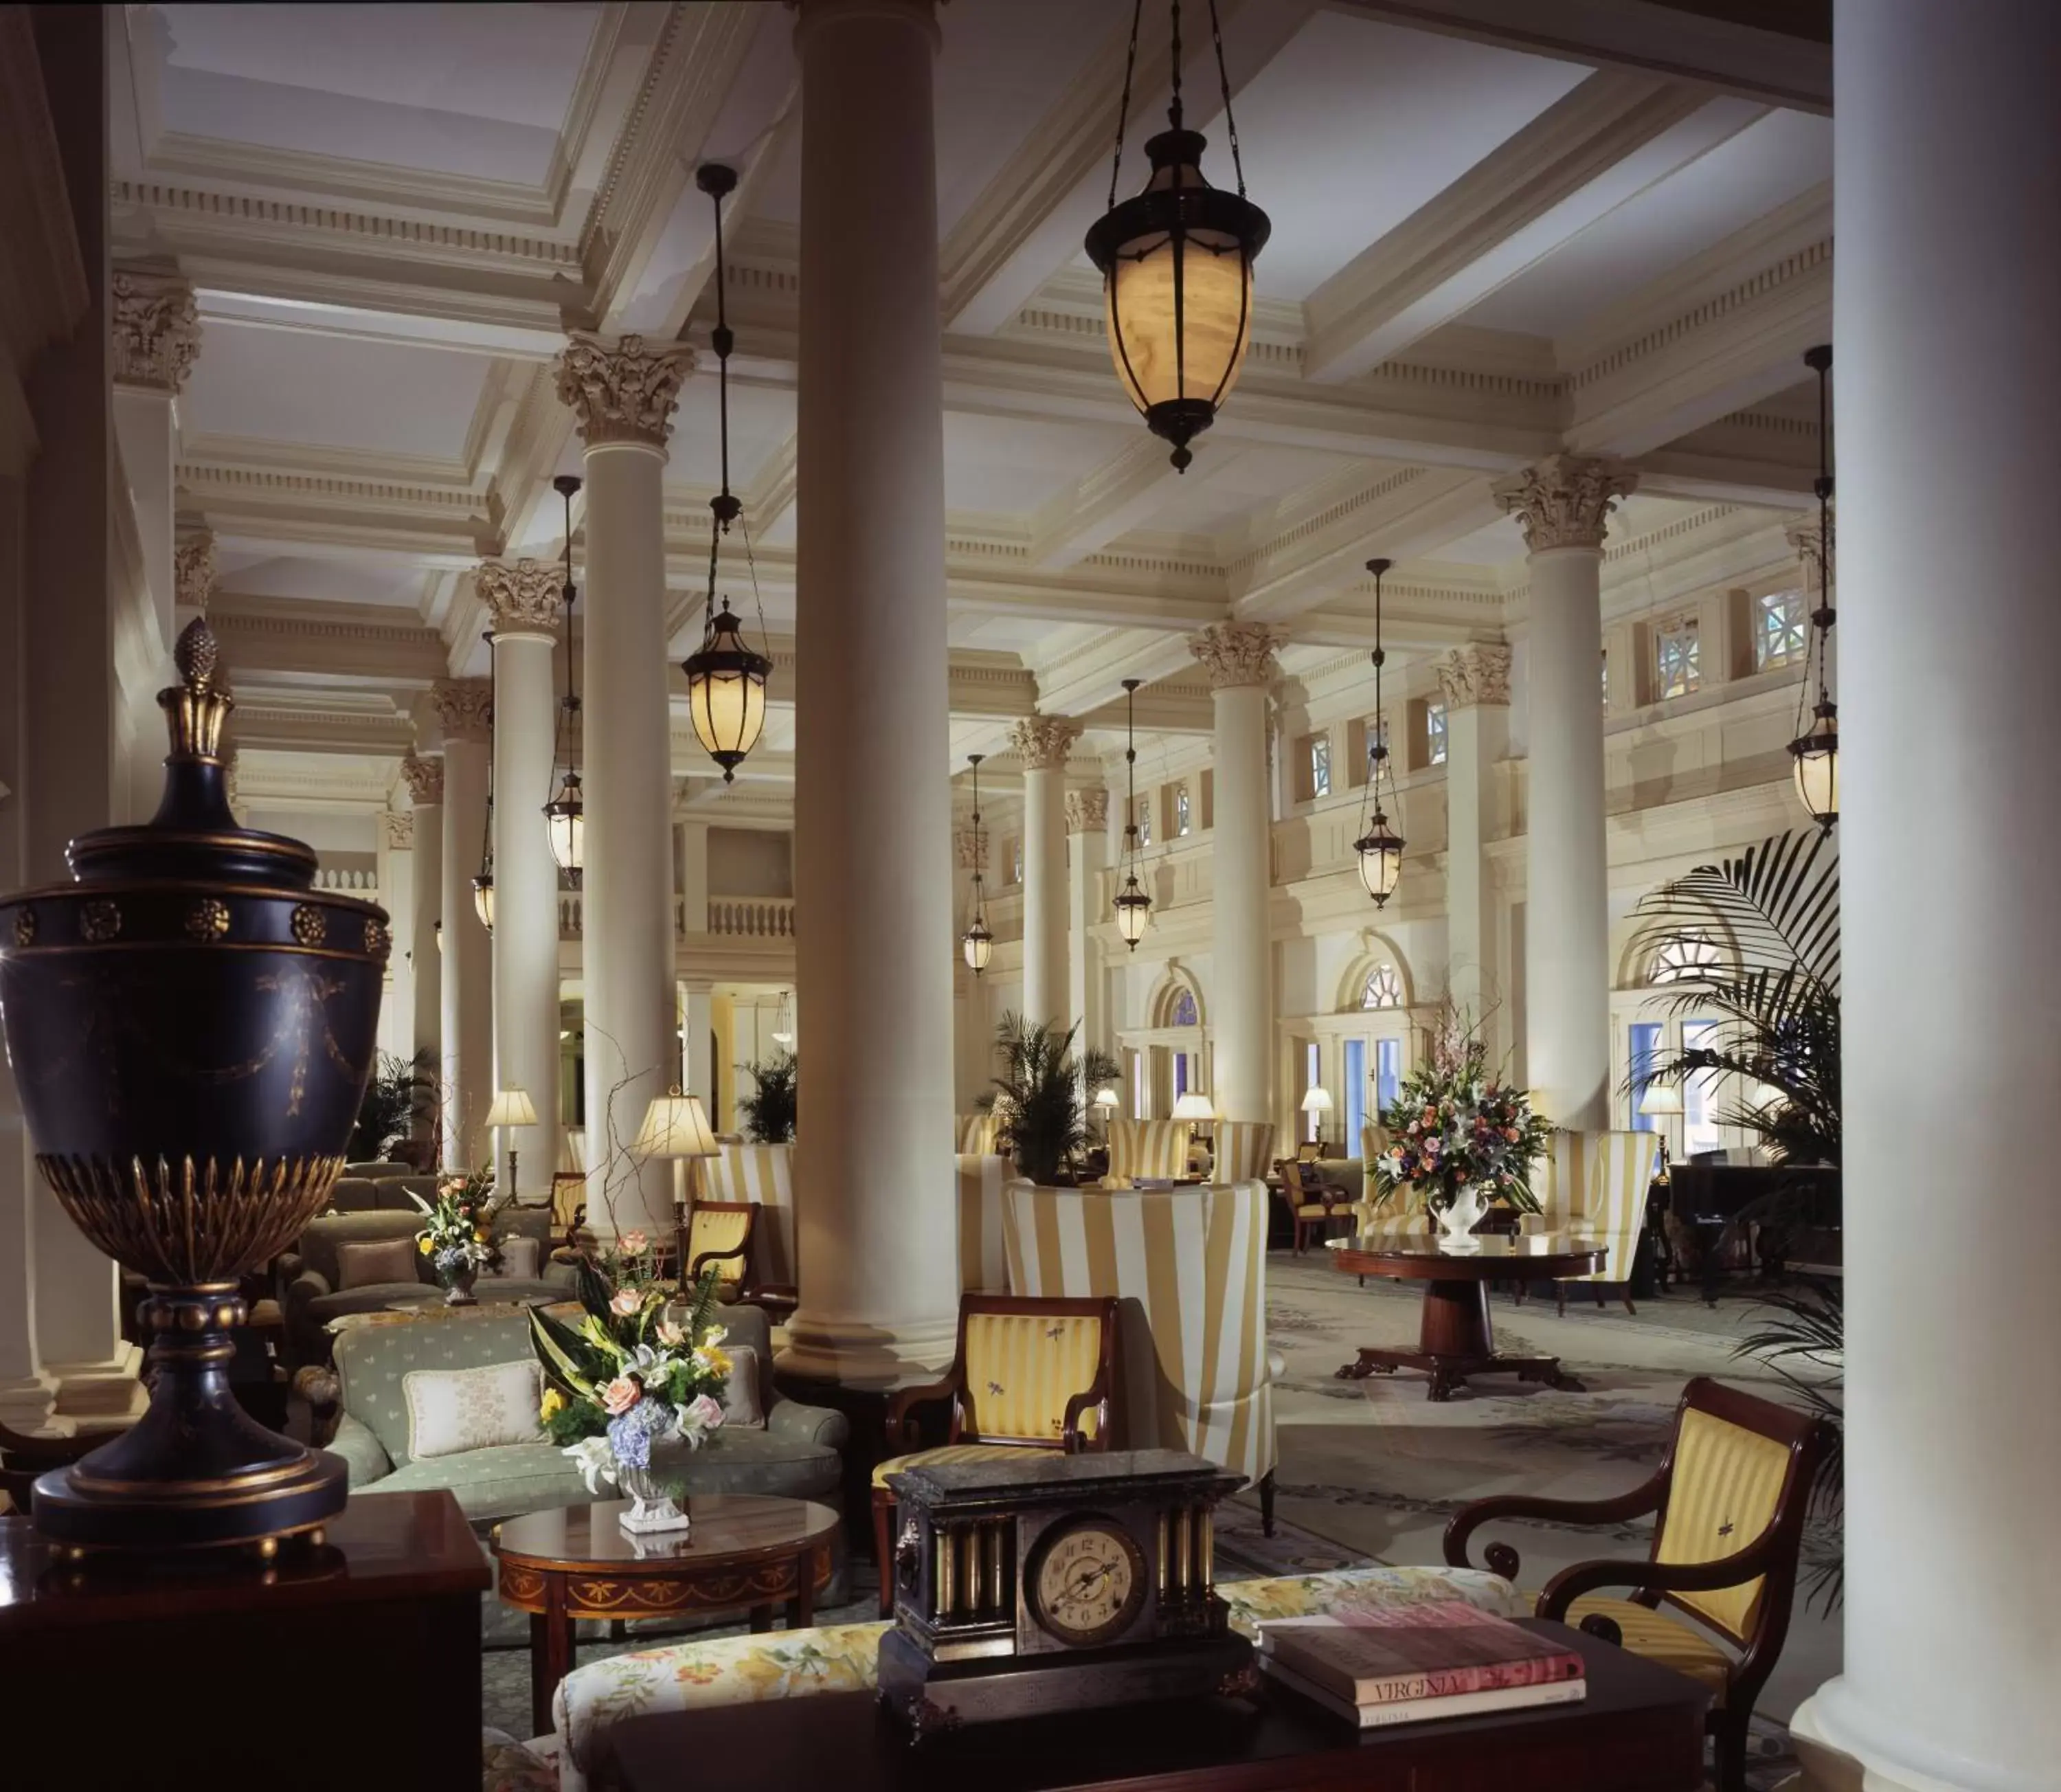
point(694, 873)
point(1040, 743)
point(527, 606)
point(698, 1055)
point(624, 397)
point(878, 1241)
point(1475, 681)
point(1240, 659)
point(425, 794)
point(1562, 503)
point(466, 707)
point(1947, 286)
point(395, 844)
point(1087, 850)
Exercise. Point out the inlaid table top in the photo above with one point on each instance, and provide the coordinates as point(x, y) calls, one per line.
point(728, 1529)
point(1541, 1257)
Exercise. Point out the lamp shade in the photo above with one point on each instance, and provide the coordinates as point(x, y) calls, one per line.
point(1661, 1100)
point(726, 692)
point(1106, 1098)
point(1133, 909)
point(1195, 1107)
point(978, 944)
point(1380, 852)
point(564, 817)
point(482, 899)
point(675, 1126)
point(512, 1107)
point(1317, 1100)
point(1816, 753)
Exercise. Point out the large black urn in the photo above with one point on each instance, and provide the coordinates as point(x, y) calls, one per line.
point(190, 1023)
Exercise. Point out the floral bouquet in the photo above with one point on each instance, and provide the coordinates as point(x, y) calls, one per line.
point(458, 1240)
point(628, 1377)
point(1459, 1137)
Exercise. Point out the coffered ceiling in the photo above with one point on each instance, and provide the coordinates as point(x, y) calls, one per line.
point(1499, 229)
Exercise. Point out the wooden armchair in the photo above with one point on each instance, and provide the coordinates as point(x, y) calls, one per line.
point(718, 1232)
point(1730, 1501)
point(1030, 1372)
point(1313, 1204)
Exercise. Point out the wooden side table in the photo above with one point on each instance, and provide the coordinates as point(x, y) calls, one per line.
point(746, 1551)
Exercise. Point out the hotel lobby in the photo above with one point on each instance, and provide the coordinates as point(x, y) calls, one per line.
point(879, 876)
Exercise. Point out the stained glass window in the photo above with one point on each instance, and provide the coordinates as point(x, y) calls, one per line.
point(1384, 988)
point(1184, 1009)
point(1682, 959)
point(1180, 811)
point(1780, 628)
point(1320, 765)
point(1434, 734)
point(1677, 670)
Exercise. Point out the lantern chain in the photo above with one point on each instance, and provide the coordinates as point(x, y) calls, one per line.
point(1123, 105)
point(1173, 107)
point(1223, 81)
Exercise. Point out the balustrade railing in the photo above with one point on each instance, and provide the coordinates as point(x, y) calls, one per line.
point(736, 917)
point(356, 883)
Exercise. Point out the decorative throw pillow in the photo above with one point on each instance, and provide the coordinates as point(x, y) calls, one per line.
point(364, 1263)
point(740, 1397)
point(519, 1261)
point(454, 1409)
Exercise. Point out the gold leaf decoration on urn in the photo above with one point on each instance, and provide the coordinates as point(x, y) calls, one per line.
point(24, 927)
point(378, 939)
point(207, 919)
point(310, 926)
point(99, 922)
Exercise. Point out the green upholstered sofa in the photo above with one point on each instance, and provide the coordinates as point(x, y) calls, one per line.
point(380, 1194)
point(311, 1294)
point(796, 1452)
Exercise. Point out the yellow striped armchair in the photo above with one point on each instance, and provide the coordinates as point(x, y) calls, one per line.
point(1190, 1266)
point(1593, 1185)
point(764, 1174)
point(983, 1261)
point(717, 1234)
point(1400, 1215)
point(1243, 1149)
point(976, 1134)
point(1146, 1149)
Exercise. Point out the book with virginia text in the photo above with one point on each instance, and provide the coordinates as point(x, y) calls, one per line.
point(1386, 1655)
point(1421, 1711)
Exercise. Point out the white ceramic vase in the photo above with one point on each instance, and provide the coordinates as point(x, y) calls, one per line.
point(1457, 1218)
point(652, 1507)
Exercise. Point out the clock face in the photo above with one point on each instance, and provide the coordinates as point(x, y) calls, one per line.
point(1088, 1583)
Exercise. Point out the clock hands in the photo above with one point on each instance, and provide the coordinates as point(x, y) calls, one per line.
point(1085, 1585)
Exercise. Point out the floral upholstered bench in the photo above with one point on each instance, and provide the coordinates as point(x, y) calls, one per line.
point(839, 1657)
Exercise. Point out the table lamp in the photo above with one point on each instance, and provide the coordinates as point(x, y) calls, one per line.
point(1662, 1101)
point(1107, 1102)
point(1317, 1100)
point(512, 1107)
point(676, 1127)
point(1197, 1111)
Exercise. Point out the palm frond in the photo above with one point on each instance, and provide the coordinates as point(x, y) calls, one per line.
point(1777, 903)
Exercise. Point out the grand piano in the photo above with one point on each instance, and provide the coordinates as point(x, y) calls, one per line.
point(1787, 1214)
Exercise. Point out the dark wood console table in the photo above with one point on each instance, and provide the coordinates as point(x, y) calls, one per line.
point(351, 1664)
point(1640, 1730)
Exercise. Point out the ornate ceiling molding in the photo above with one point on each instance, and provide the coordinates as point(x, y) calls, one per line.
point(1565, 500)
point(156, 329)
point(627, 393)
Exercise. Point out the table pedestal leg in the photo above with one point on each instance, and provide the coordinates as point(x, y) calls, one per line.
point(1456, 1340)
point(550, 1658)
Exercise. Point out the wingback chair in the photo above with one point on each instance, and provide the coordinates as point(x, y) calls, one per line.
point(1242, 1150)
point(719, 1233)
point(1146, 1149)
point(1594, 1186)
point(1313, 1204)
point(976, 1134)
point(1730, 1501)
point(764, 1174)
point(1028, 1374)
point(983, 1259)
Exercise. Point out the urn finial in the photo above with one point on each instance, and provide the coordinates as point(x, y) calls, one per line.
point(195, 709)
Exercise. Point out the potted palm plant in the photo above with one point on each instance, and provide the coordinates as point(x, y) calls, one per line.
point(1041, 1099)
point(770, 1108)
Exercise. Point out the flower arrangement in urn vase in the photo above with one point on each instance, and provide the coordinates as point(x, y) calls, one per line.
point(458, 1240)
point(635, 1373)
point(1460, 1141)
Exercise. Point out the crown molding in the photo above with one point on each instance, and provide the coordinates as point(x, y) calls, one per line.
point(265, 637)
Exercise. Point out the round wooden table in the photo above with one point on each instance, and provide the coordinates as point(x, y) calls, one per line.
point(1455, 1338)
point(745, 1551)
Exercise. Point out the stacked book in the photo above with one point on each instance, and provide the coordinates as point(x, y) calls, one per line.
point(1404, 1664)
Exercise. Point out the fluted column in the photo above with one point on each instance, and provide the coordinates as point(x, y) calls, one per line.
point(1562, 503)
point(1944, 295)
point(624, 397)
point(1087, 856)
point(1239, 656)
point(426, 794)
point(1475, 681)
point(528, 607)
point(466, 709)
point(395, 845)
point(878, 1240)
point(1041, 744)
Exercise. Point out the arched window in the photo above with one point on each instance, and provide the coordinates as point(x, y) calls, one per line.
point(1383, 989)
point(1183, 1013)
point(1683, 959)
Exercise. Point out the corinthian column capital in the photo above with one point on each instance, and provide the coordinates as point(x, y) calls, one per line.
point(624, 394)
point(400, 824)
point(1042, 742)
point(1477, 673)
point(1087, 811)
point(971, 843)
point(425, 780)
point(1238, 653)
point(1564, 500)
point(192, 570)
point(156, 329)
point(465, 706)
point(524, 597)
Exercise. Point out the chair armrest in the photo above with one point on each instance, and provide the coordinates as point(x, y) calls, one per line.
point(309, 1284)
point(319, 1386)
point(362, 1452)
point(815, 1425)
point(1572, 1583)
point(898, 1439)
point(1095, 1399)
point(1501, 1559)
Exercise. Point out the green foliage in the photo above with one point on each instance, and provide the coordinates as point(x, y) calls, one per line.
point(1804, 1342)
point(771, 1109)
point(1041, 1098)
point(400, 1089)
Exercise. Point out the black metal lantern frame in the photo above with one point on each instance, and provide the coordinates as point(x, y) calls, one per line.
point(1180, 214)
point(1816, 747)
point(1379, 846)
point(1134, 907)
point(565, 815)
point(483, 882)
point(726, 679)
point(978, 941)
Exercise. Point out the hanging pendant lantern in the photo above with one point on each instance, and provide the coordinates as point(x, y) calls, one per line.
point(1176, 262)
point(783, 1024)
point(483, 882)
point(1380, 847)
point(726, 679)
point(565, 815)
point(1134, 907)
point(977, 942)
point(1816, 747)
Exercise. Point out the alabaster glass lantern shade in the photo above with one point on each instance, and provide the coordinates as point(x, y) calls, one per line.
point(978, 944)
point(726, 693)
point(565, 816)
point(482, 899)
point(1816, 753)
point(1133, 909)
point(1380, 852)
point(1176, 262)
